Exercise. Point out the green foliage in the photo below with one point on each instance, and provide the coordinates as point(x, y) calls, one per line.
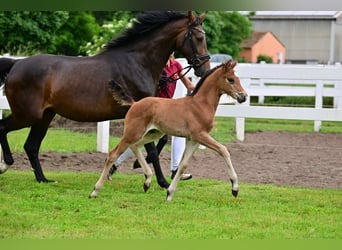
point(226, 31)
point(108, 30)
point(85, 33)
point(264, 58)
point(29, 32)
point(200, 209)
point(80, 28)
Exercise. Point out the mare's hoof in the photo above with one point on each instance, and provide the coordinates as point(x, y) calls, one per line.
point(47, 181)
point(235, 193)
point(164, 184)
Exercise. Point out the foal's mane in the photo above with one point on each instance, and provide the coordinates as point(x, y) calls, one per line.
point(206, 74)
point(144, 24)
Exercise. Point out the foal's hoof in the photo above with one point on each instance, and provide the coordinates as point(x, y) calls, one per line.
point(168, 196)
point(146, 187)
point(235, 193)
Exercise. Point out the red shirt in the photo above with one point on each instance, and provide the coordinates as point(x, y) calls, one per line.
point(169, 89)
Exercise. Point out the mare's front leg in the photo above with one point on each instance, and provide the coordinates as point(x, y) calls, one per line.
point(33, 142)
point(190, 148)
point(207, 140)
point(153, 156)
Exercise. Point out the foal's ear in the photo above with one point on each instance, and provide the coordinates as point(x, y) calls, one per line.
point(229, 65)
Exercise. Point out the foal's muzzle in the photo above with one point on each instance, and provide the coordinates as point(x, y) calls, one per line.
point(241, 97)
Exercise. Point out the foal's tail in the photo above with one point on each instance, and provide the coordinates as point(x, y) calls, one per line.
point(121, 93)
point(5, 66)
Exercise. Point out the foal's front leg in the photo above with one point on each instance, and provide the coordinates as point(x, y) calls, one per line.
point(207, 140)
point(189, 150)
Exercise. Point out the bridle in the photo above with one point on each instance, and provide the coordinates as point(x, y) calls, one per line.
point(195, 61)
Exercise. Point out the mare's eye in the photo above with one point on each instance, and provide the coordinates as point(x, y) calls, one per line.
point(199, 39)
point(230, 80)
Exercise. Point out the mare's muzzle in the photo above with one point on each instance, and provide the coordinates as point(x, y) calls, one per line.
point(197, 62)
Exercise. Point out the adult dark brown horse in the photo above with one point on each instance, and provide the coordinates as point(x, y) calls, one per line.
point(39, 87)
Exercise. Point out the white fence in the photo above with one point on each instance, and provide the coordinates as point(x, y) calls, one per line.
point(267, 80)
point(284, 80)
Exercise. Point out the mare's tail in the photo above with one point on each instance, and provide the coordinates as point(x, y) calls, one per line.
point(5, 66)
point(120, 93)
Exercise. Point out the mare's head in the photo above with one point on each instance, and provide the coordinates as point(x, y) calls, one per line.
point(192, 44)
point(229, 83)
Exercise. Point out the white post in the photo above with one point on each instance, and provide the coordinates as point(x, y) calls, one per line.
point(318, 103)
point(240, 128)
point(103, 136)
point(338, 99)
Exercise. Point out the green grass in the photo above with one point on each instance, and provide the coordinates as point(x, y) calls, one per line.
point(200, 209)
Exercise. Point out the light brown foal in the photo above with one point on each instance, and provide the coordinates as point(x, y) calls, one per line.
point(190, 117)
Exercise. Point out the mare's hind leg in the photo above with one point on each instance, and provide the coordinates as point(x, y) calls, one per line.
point(190, 148)
point(153, 157)
point(33, 142)
point(7, 155)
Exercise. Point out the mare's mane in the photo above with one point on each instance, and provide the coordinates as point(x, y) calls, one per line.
point(144, 24)
point(206, 74)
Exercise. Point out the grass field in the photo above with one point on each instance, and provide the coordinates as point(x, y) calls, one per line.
point(201, 209)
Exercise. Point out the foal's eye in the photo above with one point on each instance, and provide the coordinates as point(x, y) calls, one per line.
point(230, 80)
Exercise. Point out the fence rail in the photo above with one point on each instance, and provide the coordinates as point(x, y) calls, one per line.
point(263, 80)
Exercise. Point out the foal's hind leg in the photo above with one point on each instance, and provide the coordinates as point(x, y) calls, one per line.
point(33, 142)
point(147, 170)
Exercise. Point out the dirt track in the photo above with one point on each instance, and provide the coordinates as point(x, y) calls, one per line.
point(280, 158)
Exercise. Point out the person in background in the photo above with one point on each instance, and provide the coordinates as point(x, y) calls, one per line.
point(172, 71)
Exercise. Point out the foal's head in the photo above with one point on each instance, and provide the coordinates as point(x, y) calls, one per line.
point(229, 83)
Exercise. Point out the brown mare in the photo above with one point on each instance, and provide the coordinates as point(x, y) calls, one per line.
point(39, 87)
point(191, 117)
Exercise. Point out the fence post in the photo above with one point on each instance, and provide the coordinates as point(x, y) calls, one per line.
point(338, 99)
point(318, 103)
point(240, 121)
point(103, 136)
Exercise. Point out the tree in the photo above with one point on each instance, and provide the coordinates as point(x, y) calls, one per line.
point(29, 32)
point(226, 31)
point(80, 28)
point(120, 21)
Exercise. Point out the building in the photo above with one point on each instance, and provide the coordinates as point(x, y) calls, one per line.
point(263, 43)
point(309, 36)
